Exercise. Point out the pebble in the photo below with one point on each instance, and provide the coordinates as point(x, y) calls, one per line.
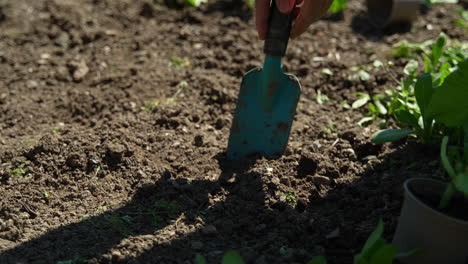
point(321, 180)
point(197, 245)
point(209, 229)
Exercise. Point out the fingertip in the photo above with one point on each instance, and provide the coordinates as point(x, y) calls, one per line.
point(285, 6)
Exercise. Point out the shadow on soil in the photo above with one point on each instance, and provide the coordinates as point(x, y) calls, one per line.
point(241, 220)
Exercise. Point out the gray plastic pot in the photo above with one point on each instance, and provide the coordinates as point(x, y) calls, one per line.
point(383, 13)
point(441, 238)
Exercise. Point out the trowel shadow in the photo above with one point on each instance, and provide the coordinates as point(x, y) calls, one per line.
point(377, 194)
point(153, 207)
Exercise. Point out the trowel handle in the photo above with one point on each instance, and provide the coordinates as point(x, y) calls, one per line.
point(279, 27)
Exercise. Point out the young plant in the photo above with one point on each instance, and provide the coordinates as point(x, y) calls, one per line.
point(442, 109)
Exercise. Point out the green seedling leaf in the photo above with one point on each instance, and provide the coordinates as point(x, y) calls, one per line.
point(199, 259)
point(327, 71)
point(196, 3)
point(384, 255)
point(361, 101)
point(423, 91)
point(318, 260)
point(337, 6)
point(250, 3)
point(374, 237)
point(322, 98)
point(389, 135)
point(411, 67)
point(232, 257)
point(365, 120)
point(461, 182)
point(449, 104)
point(381, 108)
point(427, 63)
point(363, 75)
point(409, 253)
point(405, 117)
point(438, 49)
point(377, 64)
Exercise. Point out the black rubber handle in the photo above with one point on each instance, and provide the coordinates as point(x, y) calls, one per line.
point(279, 28)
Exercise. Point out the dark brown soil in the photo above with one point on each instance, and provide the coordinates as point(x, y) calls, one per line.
point(111, 155)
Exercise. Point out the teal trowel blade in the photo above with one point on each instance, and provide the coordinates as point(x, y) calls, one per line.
point(265, 110)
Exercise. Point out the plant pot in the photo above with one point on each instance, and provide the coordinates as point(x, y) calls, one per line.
point(441, 238)
point(383, 13)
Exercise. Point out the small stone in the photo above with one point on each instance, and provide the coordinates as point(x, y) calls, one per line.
point(209, 229)
point(197, 245)
point(79, 69)
point(63, 40)
point(31, 84)
point(334, 234)
point(116, 255)
point(370, 157)
point(321, 180)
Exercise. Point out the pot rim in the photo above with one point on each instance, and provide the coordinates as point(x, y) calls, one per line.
point(391, 11)
point(423, 204)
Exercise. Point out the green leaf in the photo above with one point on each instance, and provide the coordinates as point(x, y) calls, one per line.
point(409, 253)
point(363, 75)
point(437, 50)
point(427, 63)
point(411, 67)
point(405, 117)
point(384, 255)
point(380, 107)
point(337, 6)
point(461, 182)
point(232, 257)
point(196, 2)
point(199, 259)
point(361, 101)
point(327, 71)
point(318, 260)
point(374, 237)
point(449, 104)
point(389, 135)
point(365, 120)
point(423, 91)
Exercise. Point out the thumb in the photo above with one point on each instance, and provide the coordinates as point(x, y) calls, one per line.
point(285, 6)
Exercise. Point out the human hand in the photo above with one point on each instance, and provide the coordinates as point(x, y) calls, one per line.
point(305, 13)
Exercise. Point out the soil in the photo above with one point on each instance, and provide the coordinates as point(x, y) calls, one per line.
point(114, 119)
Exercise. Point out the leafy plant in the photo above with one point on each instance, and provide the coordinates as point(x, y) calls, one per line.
point(438, 92)
point(19, 171)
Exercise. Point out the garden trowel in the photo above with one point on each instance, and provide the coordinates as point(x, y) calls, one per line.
point(267, 99)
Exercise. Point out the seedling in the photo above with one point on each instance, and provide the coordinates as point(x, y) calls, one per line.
point(322, 98)
point(440, 99)
point(337, 6)
point(178, 62)
point(19, 171)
